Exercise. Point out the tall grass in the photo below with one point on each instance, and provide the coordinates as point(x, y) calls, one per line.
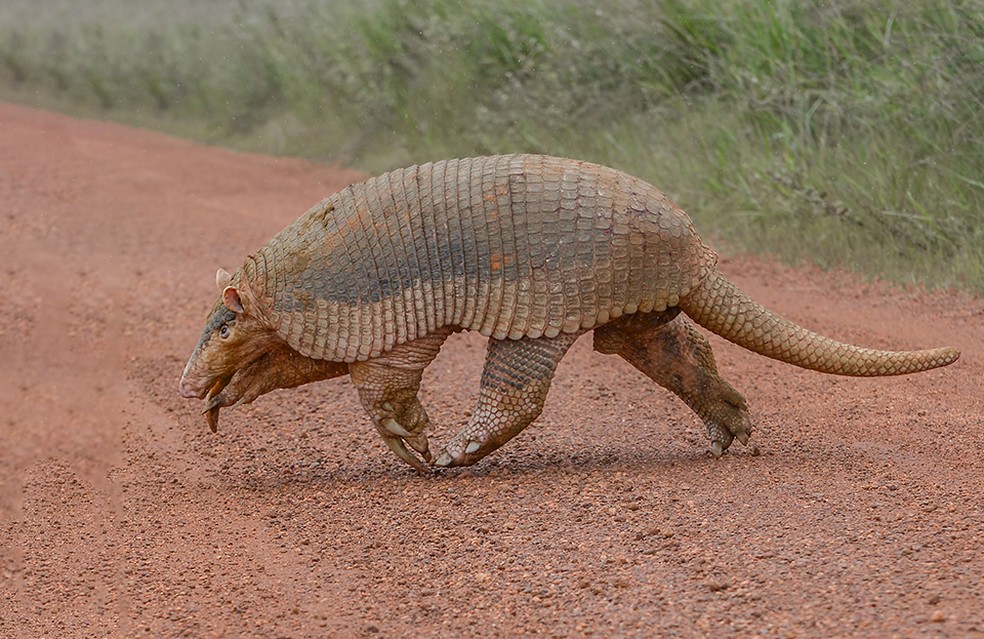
point(849, 132)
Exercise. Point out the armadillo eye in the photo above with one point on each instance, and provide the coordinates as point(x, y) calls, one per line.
point(224, 331)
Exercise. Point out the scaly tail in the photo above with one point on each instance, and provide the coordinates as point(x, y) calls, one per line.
point(720, 306)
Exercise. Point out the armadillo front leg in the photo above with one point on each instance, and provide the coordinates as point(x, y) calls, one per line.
point(670, 350)
point(513, 387)
point(388, 388)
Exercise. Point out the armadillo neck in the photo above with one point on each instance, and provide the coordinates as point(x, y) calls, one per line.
point(720, 306)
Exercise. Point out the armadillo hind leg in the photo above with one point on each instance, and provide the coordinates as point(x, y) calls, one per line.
point(388, 388)
point(674, 354)
point(514, 385)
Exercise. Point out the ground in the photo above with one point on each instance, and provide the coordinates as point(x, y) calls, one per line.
point(856, 510)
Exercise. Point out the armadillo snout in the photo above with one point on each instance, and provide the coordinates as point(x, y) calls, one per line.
point(186, 391)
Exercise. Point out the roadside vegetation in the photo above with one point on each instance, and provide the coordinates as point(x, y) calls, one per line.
point(848, 133)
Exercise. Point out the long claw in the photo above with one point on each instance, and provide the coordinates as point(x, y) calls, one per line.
point(742, 436)
point(418, 442)
point(211, 411)
point(212, 418)
point(213, 401)
point(392, 426)
point(717, 449)
point(397, 446)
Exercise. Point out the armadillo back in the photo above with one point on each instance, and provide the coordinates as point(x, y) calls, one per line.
point(510, 246)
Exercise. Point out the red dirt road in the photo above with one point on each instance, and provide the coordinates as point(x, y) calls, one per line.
point(858, 511)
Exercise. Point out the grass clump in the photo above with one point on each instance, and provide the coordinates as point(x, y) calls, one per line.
point(847, 132)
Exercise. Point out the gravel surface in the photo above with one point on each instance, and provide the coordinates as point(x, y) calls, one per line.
point(856, 510)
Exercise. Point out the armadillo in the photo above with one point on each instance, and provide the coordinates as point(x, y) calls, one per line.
point(530, 251)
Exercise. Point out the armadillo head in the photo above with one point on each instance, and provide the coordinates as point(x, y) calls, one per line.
point(235, 338)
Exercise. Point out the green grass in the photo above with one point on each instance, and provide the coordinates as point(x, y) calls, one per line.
point(848, 133)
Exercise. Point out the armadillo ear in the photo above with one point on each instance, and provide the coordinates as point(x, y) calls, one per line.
point(230, 297)
point(222, 279)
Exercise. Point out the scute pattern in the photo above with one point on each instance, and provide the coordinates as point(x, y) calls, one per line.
point(510, 246)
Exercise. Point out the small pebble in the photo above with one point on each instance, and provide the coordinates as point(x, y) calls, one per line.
point(717, 586)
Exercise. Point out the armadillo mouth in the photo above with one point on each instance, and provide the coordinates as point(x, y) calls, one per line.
point(213, 402)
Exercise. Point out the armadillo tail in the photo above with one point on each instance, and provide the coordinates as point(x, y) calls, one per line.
point(720, 306)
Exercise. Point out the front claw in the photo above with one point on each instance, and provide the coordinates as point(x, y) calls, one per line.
point(417, 441)
point(396, 438)
point(396, 445)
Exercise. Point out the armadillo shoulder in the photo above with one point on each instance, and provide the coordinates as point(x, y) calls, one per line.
point(342, 282)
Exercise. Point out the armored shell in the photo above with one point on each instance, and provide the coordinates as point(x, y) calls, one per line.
point(510, 246)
